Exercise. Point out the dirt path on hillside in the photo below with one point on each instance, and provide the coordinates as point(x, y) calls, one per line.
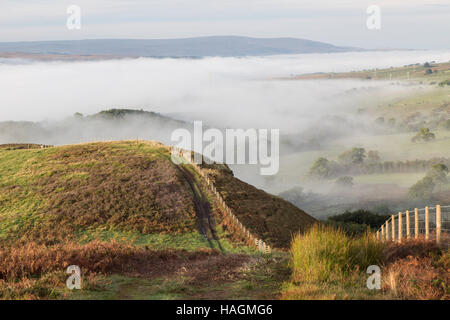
point(205, 216)
point(210, 277)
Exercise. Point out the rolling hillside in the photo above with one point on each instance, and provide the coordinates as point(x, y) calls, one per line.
point(107, 124)
point(123, 208)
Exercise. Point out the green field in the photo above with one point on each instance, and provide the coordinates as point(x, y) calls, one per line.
point(405, 180)
point(395, 144)
point(423, 101)
point(417, 73)
point(391, 147)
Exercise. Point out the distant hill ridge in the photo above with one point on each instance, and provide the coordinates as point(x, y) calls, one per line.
point(106, 124)
point(224, 46)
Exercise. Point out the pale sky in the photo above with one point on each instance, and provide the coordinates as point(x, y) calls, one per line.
point(413, 24)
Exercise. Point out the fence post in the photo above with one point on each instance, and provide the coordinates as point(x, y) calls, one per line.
point(416, 223)
point(382, 233)
point(400, 227)
point(408, 233)
point(438, 224)
point(393, 228)
point(378, 235)
point(387, 230)
point(427, 223)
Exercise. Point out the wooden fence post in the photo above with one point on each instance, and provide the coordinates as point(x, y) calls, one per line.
point(438, 224)
point(408, 233)
point(387, 230)
point(393, 228)
point(427, 223)
point(416, 223)
point(382, 233)
point(400, 227)
point(378, 235)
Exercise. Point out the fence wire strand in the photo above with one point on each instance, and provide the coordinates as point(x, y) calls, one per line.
point(403, 231)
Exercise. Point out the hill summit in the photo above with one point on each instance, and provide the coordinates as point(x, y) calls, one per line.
point(109, 189)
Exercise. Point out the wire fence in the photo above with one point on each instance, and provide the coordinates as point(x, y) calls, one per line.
point(231, 217)
point(18, 146)
point(430, 223)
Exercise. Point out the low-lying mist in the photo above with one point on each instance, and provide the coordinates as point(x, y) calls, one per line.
point(240, 88)
point(38, 101)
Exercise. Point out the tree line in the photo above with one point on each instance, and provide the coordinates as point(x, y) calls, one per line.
point(358, 162)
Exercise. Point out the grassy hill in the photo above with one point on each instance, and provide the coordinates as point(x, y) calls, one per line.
point(268, 216)
point(416, 96)
point(438, 73)
point(125, 210)
point(112, 124)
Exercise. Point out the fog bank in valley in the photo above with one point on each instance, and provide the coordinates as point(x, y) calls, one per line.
point(240, 88)
point(38, 100)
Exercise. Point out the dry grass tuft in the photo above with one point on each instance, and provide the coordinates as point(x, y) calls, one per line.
point(326, 254)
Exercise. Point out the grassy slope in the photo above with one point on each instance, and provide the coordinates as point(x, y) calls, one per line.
point(132, 193)
point(265, 215)
point(122, 189)
point(399, 73)
point(88, 188)
point(392, 146)
point(398, 146)
point(431, 100)
point(424, 101)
